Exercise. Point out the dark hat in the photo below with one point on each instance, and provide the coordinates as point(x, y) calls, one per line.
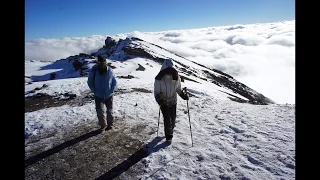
point(101, 59)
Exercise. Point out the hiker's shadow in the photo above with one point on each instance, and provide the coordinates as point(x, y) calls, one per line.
point(60, 147)
point(143, 152)
point(153, 146)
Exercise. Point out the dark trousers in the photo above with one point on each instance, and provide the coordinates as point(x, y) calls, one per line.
point(169, 117)
point(100, 102)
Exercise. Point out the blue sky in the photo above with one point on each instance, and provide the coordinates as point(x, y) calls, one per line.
point(82, 18)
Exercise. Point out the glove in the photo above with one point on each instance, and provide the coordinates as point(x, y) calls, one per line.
point(184, 96)
point(159, 99)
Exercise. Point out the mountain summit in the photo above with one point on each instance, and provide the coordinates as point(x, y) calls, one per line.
point(118, 52)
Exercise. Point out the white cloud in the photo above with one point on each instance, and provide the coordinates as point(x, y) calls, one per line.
point(55, 49)
point(282, 40)
point(209, 46)
point(247, 39)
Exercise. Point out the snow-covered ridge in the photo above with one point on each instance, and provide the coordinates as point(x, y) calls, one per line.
point(118, 52)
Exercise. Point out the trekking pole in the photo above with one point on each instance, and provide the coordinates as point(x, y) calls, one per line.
point(159, 114)
point(158, 121)
point(189, 115)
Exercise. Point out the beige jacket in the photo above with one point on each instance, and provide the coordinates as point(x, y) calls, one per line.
point(167, 84)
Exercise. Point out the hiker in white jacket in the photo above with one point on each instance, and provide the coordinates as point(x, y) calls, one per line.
point(166, 87)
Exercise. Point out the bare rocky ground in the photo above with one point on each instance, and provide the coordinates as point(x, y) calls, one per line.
point(84, 153)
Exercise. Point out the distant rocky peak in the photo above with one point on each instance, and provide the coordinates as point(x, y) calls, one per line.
point(109, 42)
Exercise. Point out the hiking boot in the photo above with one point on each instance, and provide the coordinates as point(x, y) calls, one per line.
point(169, 139)
point(108, 127)
point(101, 130)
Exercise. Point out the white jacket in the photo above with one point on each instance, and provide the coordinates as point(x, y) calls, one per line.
point(165, 84)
